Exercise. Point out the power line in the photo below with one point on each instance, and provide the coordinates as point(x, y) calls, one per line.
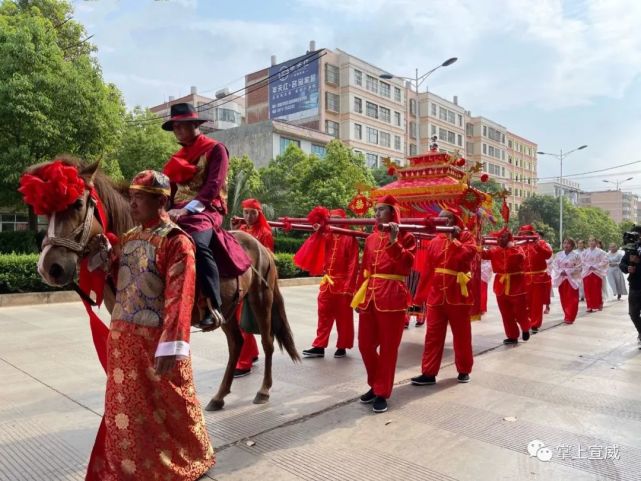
point(592, 171)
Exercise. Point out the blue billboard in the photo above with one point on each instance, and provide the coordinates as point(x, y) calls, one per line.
point(294, 89)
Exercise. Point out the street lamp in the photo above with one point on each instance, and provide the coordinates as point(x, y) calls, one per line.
point(418, 80)
point(561, 155)
point(618, 182)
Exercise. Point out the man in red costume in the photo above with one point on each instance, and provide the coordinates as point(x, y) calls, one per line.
point(198, 173)
point(509, 285)
point(444, 287)
point(336, 292)
point(536, 276)
point(256, 225)
point(153, 425)
point(381, 301)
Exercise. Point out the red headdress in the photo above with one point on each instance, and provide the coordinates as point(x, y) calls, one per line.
point(458, 215)
point(499, 233)
point(255, 204)
point(311, 255)
point(52, 187)
point(337, 213)
point(527, 230)
point(393, 203)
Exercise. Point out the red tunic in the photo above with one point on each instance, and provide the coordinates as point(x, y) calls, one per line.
point(262, 234)
point(341, 265)
point(535, 266)
point(381, 257)
point(507, 264)
point(440, 281)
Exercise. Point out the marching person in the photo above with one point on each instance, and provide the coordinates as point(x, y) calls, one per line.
point(615, 276)
point(631, 265)
point(153, 423)
point(595, 270)
point(567, 267)
point(536, 277)
point(443, 286)
point(198, 173)
point(381, 301)
point(509, 285)
point(336, 292)
point(256, 225)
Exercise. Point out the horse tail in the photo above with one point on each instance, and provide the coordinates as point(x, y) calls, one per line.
point(280, 326)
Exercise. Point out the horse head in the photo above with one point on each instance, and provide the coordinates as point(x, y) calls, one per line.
point(72, 196)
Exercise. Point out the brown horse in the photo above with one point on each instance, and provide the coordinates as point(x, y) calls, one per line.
point(70, 232)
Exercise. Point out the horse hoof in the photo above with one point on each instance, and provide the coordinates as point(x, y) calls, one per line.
point(261, 398)
point(215, 405)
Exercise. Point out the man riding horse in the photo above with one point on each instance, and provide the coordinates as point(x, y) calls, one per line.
point(198, 173)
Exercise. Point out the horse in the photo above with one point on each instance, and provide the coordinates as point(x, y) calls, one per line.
point(71, 231)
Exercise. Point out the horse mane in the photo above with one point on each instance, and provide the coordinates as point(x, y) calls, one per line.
point(112, 194)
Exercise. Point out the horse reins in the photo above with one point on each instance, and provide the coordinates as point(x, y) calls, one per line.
point(84, 230)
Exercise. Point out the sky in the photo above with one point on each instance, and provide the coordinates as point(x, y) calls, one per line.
point(559, 73)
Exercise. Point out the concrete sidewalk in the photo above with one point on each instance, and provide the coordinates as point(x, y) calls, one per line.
point(574, 388)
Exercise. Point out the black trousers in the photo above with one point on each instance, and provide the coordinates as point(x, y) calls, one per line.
point(634, 308)
point(206, 268)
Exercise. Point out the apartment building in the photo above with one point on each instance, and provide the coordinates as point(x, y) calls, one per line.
point(522, 160)
point(224, 111)
point(568, 188)
point(440, 118)
point(619, 205)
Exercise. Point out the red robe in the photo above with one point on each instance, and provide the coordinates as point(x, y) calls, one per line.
point(336, 291)
point(382, 303)
point(249, 351)
point(153, 426)
point(509, 287)
point(444, 285)
point(536, 279)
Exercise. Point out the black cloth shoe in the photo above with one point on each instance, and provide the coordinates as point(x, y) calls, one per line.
point(525, 335)
point(241, 372)
point(340, 353)
point(380, 405)
point(463, 377)
point(314, 352)
point(510, 341)
point(535, 330)
point(423, 380)
point(368, 397)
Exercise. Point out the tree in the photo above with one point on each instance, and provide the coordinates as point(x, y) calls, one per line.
point(381, 177)
point(243, 181)
point(52, 95)
point(143, 145)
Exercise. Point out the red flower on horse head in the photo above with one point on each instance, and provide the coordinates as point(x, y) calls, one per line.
point(52, 187)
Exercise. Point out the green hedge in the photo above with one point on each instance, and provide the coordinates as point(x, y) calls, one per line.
point(18, 272)
point(20, 242)
point(285, 244)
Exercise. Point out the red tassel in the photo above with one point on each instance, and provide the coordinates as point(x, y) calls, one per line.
point(311, 255)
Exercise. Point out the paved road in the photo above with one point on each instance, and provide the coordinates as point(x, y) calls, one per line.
point(575, 388)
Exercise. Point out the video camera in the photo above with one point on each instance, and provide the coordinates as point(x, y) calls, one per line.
point(632, 242)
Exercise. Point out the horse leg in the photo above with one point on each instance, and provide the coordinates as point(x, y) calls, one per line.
point(234, 344)
point(267, 340)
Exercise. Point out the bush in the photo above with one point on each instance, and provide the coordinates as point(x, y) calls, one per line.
point(18, 272)
point(285, 244)
point(20, 242)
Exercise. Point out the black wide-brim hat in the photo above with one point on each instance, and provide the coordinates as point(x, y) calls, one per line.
point(183, 112)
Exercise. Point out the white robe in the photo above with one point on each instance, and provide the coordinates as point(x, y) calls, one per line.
point(594, 262)
point(570, 264)
point(615, 276)
point(486, 271)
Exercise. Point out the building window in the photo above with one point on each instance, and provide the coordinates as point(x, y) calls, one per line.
point(509, 159)
point(372, 110)
point(397, 118)
point(372, 135)
point(484, 148)
point(385, 139)
point(450, 117)
point(319, 151)
point(460, 120)
point(412, 149)
point(331, 128)
point(358, 105)
point(372, 160)
point(385, 114)
point(397, 142)
point(509, 144)
point(413, 130)
point(502, 171)
point(451, 137)
point(459, 140)
point(397, 94)
point(331, 74)
point(385, 89)
point(433, 130)
point(358, 131)
point(433, 109)
point(16, 222)
point(285, 142)
point(332, 102)
point(484, 131)
point(228, 115)
point(358, 77)
point(442, 135)
point(412, 106)
point(371, 84)
point(469, 130)
point(442, 113)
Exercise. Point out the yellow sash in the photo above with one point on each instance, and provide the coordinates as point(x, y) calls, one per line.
point(327, 279)
point(536, 272)
point(462, 278)
point(359, 297)
point(505, 280)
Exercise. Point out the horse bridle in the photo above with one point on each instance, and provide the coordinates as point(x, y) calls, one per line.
point(83, 230)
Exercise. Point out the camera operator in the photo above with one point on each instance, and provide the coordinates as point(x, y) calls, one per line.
point(631, 264)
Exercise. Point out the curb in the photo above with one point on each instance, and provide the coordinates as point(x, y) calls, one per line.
point(34, 298)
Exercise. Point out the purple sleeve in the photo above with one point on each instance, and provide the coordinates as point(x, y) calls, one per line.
point(215, 175)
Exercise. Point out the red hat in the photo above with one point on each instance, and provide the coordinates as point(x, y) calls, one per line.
point(499, 233)
point(527, 229)
point(182, 112)
point(152, 182)
point(251, 204)
point(393, 203)
point(458, 215)
point(337, 213)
